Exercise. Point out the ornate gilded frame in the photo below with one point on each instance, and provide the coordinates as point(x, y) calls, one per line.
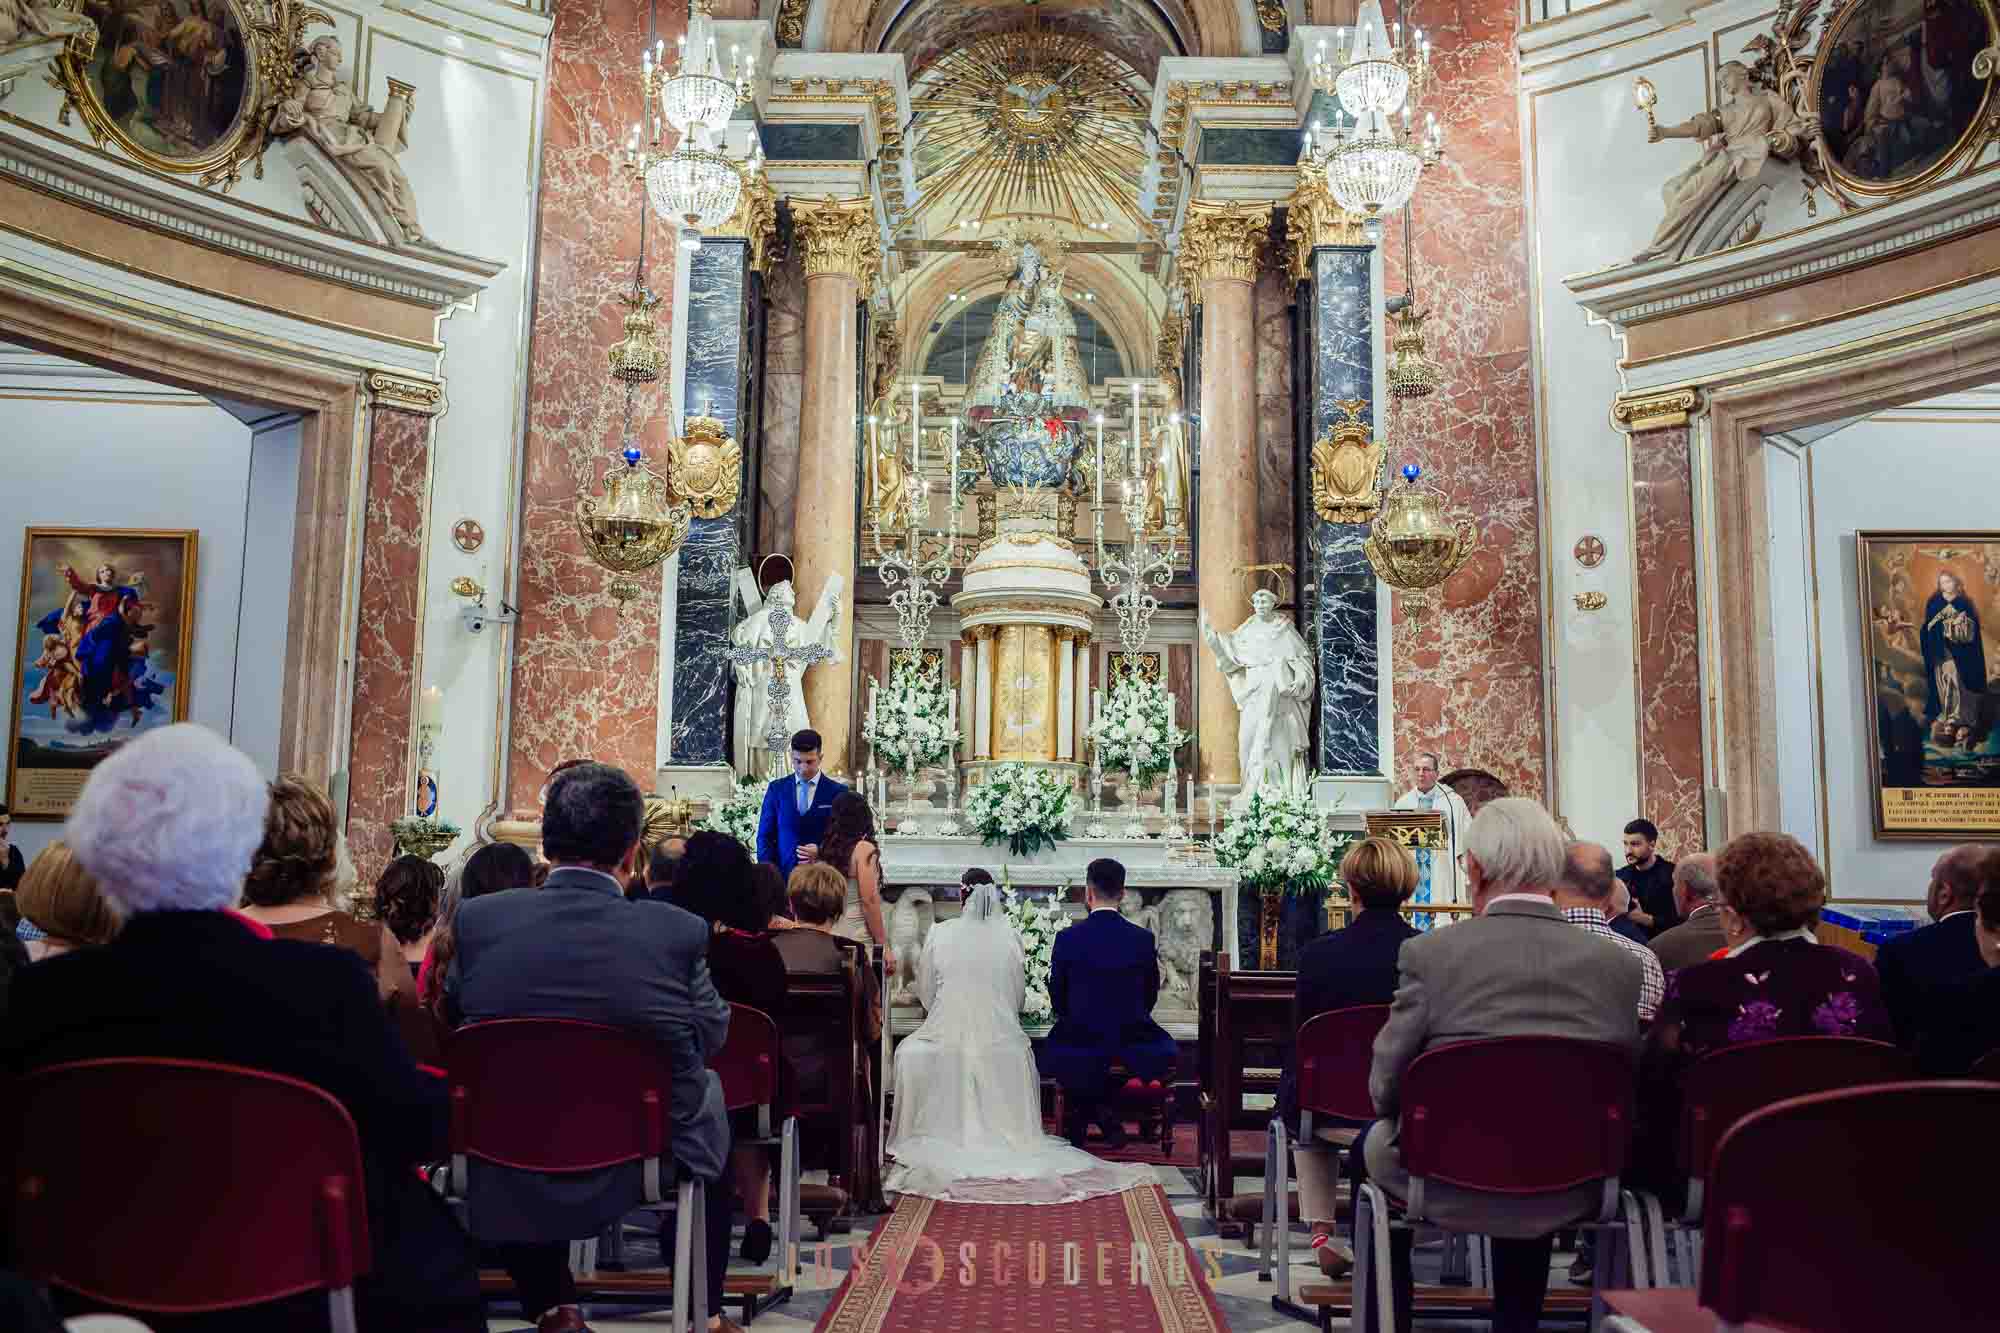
point(273, 34)
point(1798, 77)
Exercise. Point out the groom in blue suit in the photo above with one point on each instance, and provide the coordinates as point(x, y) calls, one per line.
point(1104, 976)
point(796, 809)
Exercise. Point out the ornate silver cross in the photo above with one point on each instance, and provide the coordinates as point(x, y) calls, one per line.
point(780, 656)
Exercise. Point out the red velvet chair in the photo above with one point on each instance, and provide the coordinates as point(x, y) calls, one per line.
point(1798, 1238)
point(514, 1103)
point(1332, 1054)
point(179, 1187)
point(748, 1066)
point(1728, 1084)
point(1564, 1121)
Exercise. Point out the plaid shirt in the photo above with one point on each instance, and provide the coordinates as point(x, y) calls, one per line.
point(1653, 984)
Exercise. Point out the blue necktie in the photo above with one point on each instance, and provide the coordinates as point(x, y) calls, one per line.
point(805, 797)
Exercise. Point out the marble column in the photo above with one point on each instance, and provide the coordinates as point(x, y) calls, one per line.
point(1220, 248)
point(388, 641)
point(968, 696)
point(1065, 694)
point(982, 699)
point(1337, 305)
point(842, 256)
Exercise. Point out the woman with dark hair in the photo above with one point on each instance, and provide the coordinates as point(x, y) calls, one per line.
point(767, 891)
point(849, 847)
point(407, 896)
point(494, 868)
point(715, 884)
point(291, 884)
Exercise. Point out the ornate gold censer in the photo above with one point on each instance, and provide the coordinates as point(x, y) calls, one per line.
point(1412, 546)
point(634, 525)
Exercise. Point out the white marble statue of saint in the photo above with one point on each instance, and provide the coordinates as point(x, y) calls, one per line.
point(753, 694)
point(1270, 673)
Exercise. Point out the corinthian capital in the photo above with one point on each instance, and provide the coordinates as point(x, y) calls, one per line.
point(1223, 241)
point(838, 237)
point(1313, 218)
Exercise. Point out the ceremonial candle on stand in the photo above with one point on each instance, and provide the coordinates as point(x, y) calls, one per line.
point(874, 689)
point(917, 431)
point(954, 473)
point(1190, 799)
point(1135, 428)
point(430, 712)
point(1100, 460)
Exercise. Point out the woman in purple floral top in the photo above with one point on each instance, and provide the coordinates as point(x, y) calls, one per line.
point(1775, 981)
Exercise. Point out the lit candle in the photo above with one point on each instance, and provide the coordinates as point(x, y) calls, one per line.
point(1135, 428)
point(951, 714)
point(430, 711)
point(954, 472)
point(1190, 799)
point(917, 431)
point(874, 689)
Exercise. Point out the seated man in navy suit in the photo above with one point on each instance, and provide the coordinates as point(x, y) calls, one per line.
point(796, 809)
point(1104, 976)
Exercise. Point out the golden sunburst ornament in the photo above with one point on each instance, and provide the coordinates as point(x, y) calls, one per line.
point(1033, 120)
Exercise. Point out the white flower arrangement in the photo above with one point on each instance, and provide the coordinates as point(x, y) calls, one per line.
point(909, 722)
point(1036, 922)
point(1280, 840)
point(1025, 806)
point(1135, 732)
point(737, 814)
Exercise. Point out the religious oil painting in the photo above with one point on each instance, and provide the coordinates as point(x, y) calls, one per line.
point(105, 638)
point(1894, 85)
point(171, 79)
point(1928, 601)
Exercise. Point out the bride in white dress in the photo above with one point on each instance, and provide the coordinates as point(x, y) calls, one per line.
point(968, 1124)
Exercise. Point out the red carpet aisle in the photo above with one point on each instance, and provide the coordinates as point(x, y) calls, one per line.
point(1071, 1268)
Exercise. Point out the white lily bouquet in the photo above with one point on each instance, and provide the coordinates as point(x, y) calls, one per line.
point(912, 724)
point(1023, 806)
point(1035, 922)
point(1280, 840)
point(1135, 730)
point(737, 813)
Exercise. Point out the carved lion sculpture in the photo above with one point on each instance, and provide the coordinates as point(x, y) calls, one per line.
point(1186, 927)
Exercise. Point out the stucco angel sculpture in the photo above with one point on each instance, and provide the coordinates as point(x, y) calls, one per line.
point(362, 142)
point(1751, 126)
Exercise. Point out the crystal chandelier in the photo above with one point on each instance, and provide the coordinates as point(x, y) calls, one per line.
point(1376, 66)
point(694, 187)
point(697, 98)
point(1372, 165)
point(1412, 546)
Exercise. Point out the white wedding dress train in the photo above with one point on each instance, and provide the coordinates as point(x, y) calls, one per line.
point(968, 1119)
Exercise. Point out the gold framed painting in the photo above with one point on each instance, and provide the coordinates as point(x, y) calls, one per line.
point(1928, 641)
point(186, 87)
point(1902, 89)
point(106, 639)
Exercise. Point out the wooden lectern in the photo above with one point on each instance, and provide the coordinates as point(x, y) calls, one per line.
point(1418, 830)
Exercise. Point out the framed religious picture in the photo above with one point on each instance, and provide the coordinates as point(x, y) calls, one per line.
point(1901, 91)
point(187, 87)
point(1928, 602)
point(105, 638)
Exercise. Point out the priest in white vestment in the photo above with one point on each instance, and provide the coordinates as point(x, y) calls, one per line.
point(1440, 873)
point(1270, 675)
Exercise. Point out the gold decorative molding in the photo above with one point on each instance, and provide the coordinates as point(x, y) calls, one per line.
point(755, 220)
point(707, 467)
point(405, 394)
point(1271, 15)
point(1591, 601)
point(1654, 411)
point(838, 238)
point(1313, 219)
point(1347, 468)
point(1222, 242)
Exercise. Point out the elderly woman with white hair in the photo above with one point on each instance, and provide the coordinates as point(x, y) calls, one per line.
point(167, 826)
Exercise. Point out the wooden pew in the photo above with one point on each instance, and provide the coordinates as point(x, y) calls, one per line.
point(824, 1025)
point(1243, 1039)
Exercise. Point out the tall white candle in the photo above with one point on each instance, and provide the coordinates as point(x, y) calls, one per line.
point(917, 430)
point(954, 470)
point(1190, 800)
point(430, 711)
point(1135, 428)
point(1100, 460)
point(874, 690)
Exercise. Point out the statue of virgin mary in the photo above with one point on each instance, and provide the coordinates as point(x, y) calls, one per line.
point(1028, 398)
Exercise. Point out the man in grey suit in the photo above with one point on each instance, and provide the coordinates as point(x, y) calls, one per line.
point(578, 948)
point(1699, 899)
point(1516, 969)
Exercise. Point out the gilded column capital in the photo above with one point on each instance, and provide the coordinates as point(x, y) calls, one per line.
point(1222, 242)
point(405, 393)
point(1655, 410)
point(838, 237)
point(755, 220)
point(1313, 218)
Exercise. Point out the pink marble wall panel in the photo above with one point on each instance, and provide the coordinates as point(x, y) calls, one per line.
point(1273, 313)
point(784, 380)
point(585, 672)
point(1668, 682)
point(379, 787)
point(1468, 673)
